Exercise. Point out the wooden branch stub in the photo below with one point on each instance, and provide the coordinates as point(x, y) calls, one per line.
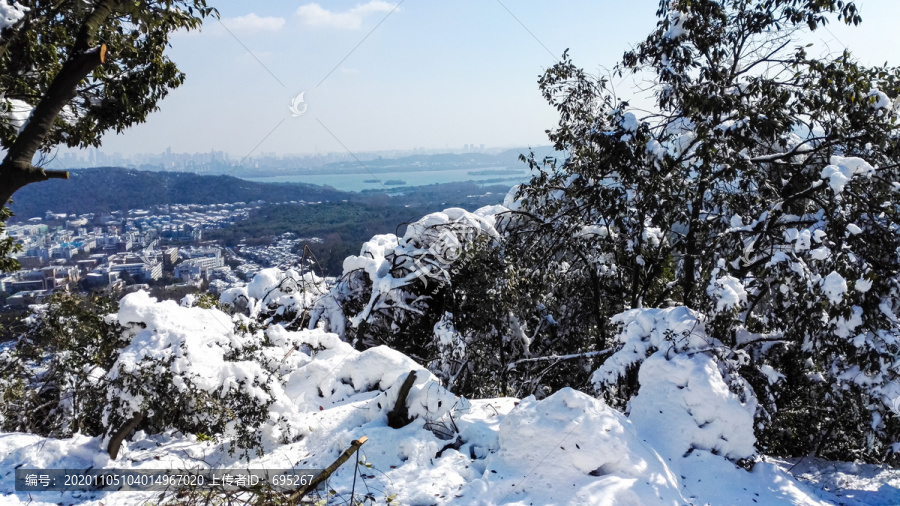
point(399, 416)
point(57, 174)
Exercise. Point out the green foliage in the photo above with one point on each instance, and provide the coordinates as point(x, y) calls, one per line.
point(503, 317)
point(190, 408)
point(121, 92)
point(8, 245)
point(207, 301)
point(52, 382)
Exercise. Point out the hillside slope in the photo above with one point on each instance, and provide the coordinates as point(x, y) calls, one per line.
point(113, 188)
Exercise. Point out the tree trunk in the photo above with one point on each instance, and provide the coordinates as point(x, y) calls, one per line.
point(16, 169)
point(116, 441)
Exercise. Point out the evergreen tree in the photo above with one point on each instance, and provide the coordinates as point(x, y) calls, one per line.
point(759, 191)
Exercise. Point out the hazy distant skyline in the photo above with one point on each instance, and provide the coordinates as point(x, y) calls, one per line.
point(431, 75)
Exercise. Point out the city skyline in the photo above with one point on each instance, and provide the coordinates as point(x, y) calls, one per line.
point(169, 159)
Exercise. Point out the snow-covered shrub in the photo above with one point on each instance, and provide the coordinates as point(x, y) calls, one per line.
point(276, 296)
point(394, 279)
point(449, 295)
point(398, 290)
point(52, 378)
point(687, 388)
point(197, 371)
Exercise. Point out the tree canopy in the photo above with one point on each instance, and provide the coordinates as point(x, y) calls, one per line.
point(759, 190)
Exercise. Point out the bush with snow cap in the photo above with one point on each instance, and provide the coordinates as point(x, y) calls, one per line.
point(397, 290)
point(189, 369)
point(276, 296)
point(680, 383)
point(53, 374)
point(570, 434)
point(392, 277)
point(449, 295)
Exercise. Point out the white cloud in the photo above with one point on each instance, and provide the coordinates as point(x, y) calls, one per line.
point(251, 23)
point(315, 14)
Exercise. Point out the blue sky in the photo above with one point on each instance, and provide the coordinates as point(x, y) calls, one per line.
point(433, 74)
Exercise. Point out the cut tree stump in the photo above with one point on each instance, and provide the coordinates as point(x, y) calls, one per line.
point(399, 416)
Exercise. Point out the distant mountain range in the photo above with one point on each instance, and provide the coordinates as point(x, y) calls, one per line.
point(104, 189)
point(111, 189)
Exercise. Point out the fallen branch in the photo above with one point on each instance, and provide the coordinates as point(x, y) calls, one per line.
point(324, 475)
point(456, 445)
point(588, 354)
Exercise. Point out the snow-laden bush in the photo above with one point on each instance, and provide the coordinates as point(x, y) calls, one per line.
point(666, 364)
point(276, 296)
point(448, 295)
point(52, 377)
point(393, 279)
point(398, 291)
point(194, 370)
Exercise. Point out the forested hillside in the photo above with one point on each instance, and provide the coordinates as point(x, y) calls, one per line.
point(113, 189)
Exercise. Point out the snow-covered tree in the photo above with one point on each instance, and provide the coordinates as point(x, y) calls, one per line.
point(52, 377)
point(449, 295)
point(759, 190)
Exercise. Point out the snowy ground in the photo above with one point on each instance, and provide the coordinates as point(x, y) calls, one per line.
point(569, 448)
point(531, 453)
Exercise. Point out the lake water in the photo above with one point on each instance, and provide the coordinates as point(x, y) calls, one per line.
point(356, 182)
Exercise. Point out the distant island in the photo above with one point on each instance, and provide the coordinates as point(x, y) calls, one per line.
point(371, 181)
point(394, 182)
point(495, 172)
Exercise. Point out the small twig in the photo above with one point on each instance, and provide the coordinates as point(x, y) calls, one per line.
point(560, 357)
point(353, 488)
